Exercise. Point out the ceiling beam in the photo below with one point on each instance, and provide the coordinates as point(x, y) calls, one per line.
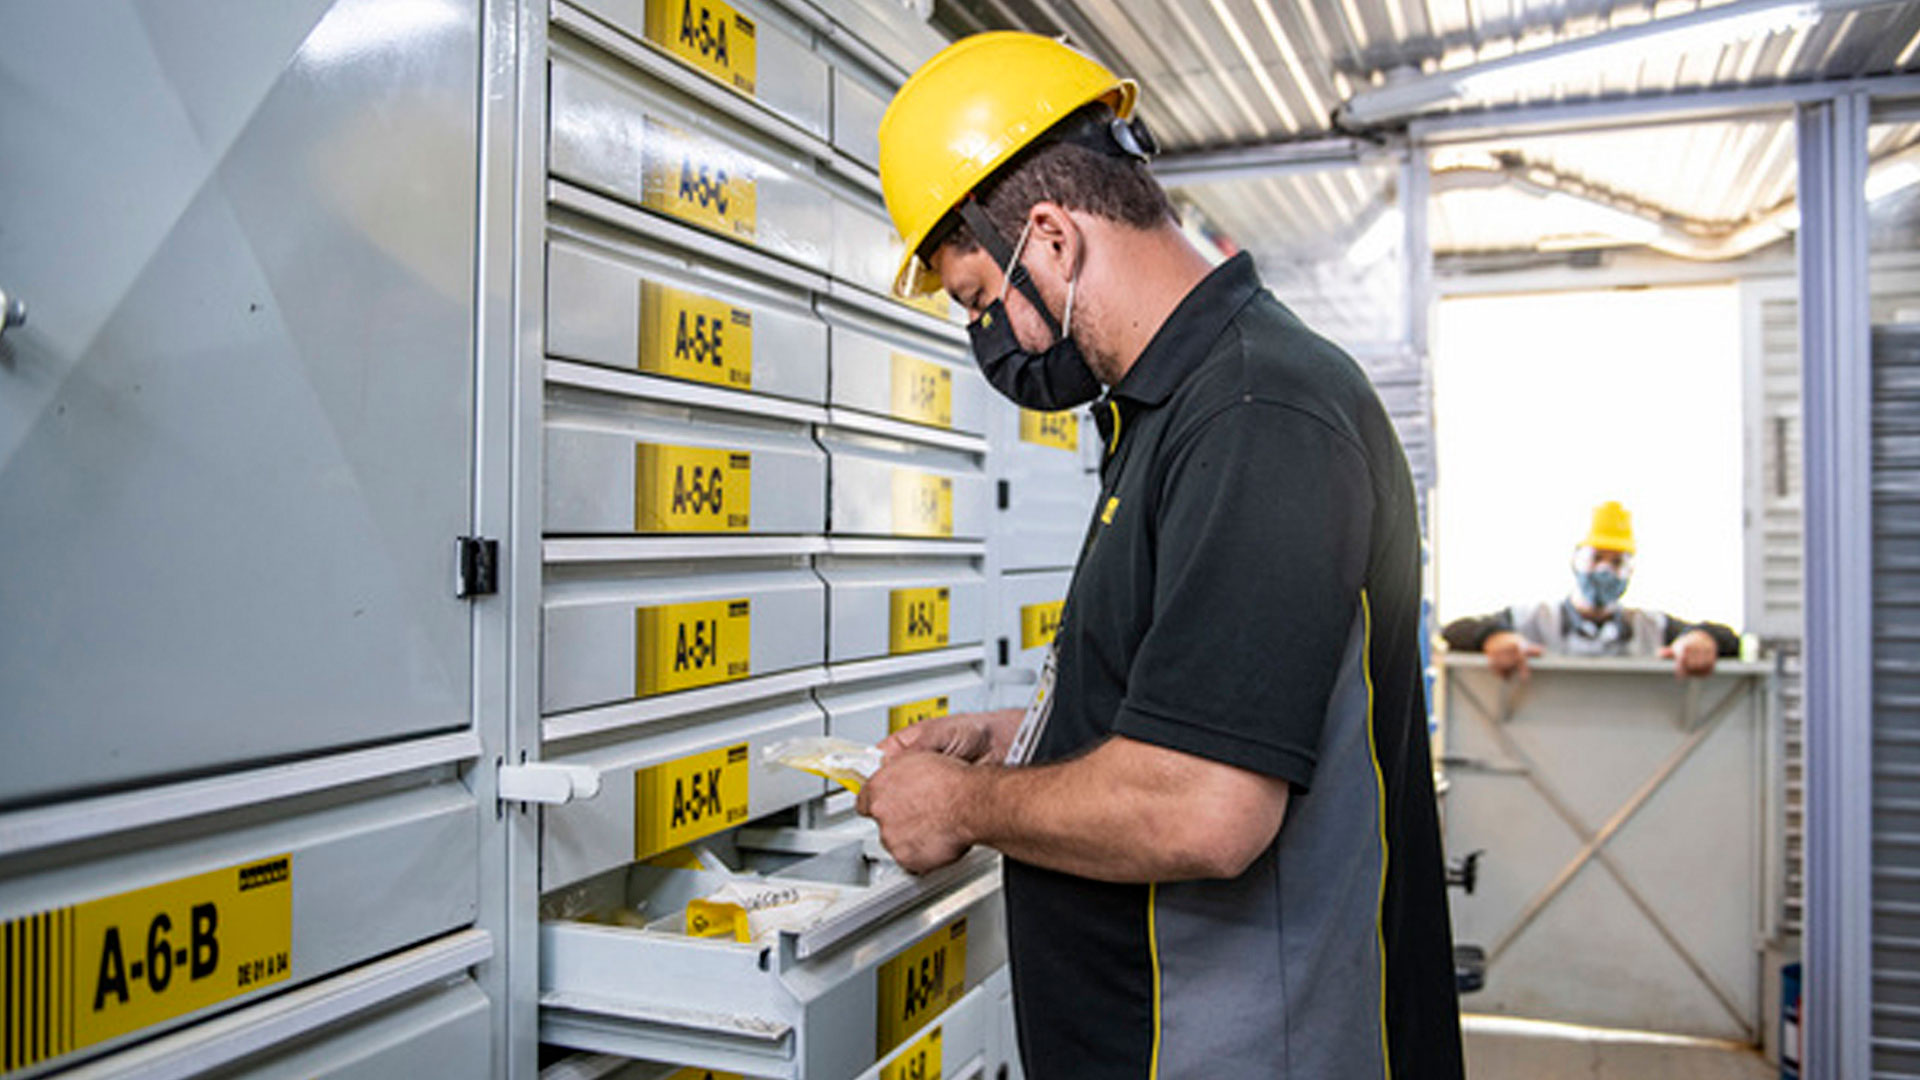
point(1264, 160)
point(1544, 68)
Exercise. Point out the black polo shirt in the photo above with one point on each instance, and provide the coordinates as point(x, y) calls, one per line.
point(1249, 592)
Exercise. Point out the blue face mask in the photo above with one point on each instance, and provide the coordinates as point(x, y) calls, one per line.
point(1601, 587)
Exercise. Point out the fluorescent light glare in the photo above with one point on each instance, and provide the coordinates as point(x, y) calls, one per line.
point(1888, 179)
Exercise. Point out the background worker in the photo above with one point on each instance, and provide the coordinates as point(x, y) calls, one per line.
point(1590, 621)
point(1222, 850)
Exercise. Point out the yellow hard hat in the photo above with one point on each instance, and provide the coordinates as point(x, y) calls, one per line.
point(1612, 529)
point(967, 111)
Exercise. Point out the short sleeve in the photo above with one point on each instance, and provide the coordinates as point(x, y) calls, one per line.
point(1261, 546)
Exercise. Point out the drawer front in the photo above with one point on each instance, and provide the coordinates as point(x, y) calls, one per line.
point(441, 1031)
point(897, 607)
point(1045, 520)
point(661, 790)
point(1026, 615)
point(734, 44)
point(866, 252)
point(755, 1009)
point(651, 317)
point(857, 109)
point(648, 149)
point(903, 492)
point(907, 379)
point(152, 937)
point(869, 712)
point(955, 1045)
point(649, 476)
point(646, 637)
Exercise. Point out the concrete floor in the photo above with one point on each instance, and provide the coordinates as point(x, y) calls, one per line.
point(1500, 1048)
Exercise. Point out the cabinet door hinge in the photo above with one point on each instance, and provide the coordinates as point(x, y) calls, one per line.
point(479, 567)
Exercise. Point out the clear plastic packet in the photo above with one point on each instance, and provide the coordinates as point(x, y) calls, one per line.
point(750, 910)
point(845, 762)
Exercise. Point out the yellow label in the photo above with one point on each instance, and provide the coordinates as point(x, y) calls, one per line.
point(905, 716)
point(680, 646)
point(921, 1061)
point(1107, 511)
point(1039, 622)
point(698, 180)
point(922, 503)
point(919, 984)
point(709, 35)
point(684, 335)
point(917, 620)
point(681, 801)
point(707, 918)
point(703, 1074)
point(679, 489)
point(922, 391)
point(85, 973)
point(1056, 429)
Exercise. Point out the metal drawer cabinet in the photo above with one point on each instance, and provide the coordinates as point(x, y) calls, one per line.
point(901, 606)
point(650, 312)
point(1026, 615)
point(1047, 494)
point(632, 467)
point(887, 370)
point(894, 951)
point(889, 487)
point(674, 627)
point(741, 45)
point(665, 786)
point(141, 932)
point(616, 131)
point(869, 711)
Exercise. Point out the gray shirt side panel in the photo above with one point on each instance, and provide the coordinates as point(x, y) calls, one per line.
point(1277, 973)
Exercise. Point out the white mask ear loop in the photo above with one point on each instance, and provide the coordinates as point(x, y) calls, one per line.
point(1066, 321)
point(1013, 260)
point(1073, 283)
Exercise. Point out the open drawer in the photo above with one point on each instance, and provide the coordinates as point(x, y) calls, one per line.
point(833, 999)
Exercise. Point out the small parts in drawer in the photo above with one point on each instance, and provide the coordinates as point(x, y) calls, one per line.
point(846, 763)
point(750, 910)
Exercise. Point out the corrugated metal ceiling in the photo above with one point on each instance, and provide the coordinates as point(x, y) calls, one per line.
point(1227, 73)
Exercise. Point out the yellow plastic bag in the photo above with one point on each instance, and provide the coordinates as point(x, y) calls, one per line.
point(842, 761)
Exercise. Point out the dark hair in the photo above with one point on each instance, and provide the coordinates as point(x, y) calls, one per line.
point(1062, 166)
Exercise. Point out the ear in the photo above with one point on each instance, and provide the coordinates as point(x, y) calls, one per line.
point(1057, 238)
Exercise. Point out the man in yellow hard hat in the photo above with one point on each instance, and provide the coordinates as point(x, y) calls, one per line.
point(1591, 621)
point(1222, 854)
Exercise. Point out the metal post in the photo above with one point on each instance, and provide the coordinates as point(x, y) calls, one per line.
point(1836, 373)
point(1416, 188)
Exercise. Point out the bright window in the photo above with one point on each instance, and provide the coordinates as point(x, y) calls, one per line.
point(1548, 404)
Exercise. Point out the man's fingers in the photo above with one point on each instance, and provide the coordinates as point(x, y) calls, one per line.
point(1530, 649)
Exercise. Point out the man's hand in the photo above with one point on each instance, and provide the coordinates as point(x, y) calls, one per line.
point(1692, 653)
point(967, 736)
point(1507, 653)
point(919, 802)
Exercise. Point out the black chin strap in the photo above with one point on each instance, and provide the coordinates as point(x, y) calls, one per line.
point(976, 218)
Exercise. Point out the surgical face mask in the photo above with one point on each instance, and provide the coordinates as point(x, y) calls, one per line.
point(1055, 378)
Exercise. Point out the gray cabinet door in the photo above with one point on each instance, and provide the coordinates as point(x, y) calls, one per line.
point(236, 429)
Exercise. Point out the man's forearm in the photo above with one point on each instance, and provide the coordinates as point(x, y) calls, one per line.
point(1126, 812)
